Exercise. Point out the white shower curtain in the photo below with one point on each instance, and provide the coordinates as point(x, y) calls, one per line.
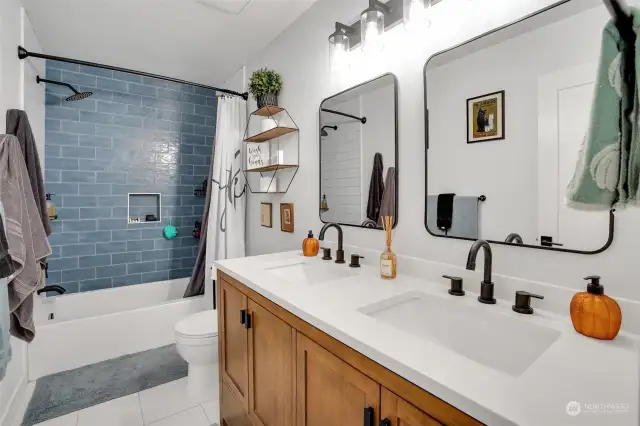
point(226, 224)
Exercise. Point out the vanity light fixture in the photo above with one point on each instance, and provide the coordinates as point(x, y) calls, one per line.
point(372, 23)
point(340, 45)
point(416, 15)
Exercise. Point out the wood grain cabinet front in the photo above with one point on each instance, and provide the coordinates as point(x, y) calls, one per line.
point(395, 411)
point(271, 368)
point(331, 392)
point(233, 342)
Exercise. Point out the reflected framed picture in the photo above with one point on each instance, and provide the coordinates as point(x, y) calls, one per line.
point(286, 217)
point(486, 118)
point(266, 211)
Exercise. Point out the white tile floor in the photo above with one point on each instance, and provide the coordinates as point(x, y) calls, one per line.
point(165, 405)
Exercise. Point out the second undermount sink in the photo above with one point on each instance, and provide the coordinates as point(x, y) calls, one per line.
point(494, 339)
point(311, 273)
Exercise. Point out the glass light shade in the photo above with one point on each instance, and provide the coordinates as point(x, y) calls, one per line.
point(416, 14)
point(372, 24)
point(339, 46)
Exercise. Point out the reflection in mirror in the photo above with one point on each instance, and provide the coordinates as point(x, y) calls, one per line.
point(507, 114)
point(358, 154)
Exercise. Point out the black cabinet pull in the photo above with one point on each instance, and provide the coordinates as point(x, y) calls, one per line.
point(368, 416)
point(247, 324)
point(243, 316)
point(385, 422)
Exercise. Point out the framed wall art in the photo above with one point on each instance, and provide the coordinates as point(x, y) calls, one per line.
point(286, 217)
point(486, 118)
point(266, 215)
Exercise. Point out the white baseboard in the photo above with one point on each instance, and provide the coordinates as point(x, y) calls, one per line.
point(17, 405)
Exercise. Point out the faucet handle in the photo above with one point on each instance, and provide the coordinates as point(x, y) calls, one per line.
point(326, 253)
point(456, 285)
point(355, 260)
point(523, 302)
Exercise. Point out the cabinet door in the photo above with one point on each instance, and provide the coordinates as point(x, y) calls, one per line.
point(271, 367)
point(231, 411)
point(330, 392)
point(395, 411)
point(234, 354)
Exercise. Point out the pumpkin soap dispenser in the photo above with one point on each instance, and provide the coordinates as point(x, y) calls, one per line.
point(310, 246)
point(595, 314)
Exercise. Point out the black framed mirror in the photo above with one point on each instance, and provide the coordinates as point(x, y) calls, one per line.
point(358, 132)
point(506, 114)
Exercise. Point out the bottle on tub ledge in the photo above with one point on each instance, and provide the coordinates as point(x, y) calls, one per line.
point(388, 258)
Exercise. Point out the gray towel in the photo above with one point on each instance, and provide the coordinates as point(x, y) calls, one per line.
point(5, 271)
point(26, 236)
point(464, 220)
point(376, 189)
point(388, 204)
point(18, 126)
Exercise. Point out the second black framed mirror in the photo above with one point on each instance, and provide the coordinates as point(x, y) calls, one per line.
point(506, 115)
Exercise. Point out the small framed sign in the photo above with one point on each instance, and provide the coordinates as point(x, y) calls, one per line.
point(286, 217)
point(258, 155)
point(485, 118)
point(266, 210)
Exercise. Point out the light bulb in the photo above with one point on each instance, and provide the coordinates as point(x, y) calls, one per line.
point(373, 39)
point(339, 58)
point(417, 17)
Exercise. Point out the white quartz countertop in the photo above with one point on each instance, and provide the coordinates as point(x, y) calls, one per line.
point(603, 377)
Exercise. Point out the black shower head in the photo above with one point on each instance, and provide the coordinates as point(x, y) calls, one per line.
point(77, 96)
point(324, 133)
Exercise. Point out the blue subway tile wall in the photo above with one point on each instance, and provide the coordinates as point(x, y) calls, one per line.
point(134, 135)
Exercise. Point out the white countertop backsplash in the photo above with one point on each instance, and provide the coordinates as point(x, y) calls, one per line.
point(574, 368)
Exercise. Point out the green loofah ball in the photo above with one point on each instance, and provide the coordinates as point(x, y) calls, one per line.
point(170, 232)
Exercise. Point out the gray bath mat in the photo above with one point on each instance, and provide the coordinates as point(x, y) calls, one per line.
point(73, 390)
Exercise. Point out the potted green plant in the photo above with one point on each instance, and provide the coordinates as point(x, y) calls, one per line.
point(265, 85)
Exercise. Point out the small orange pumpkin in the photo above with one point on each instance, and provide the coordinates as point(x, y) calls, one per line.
point(310, 246)
point(595, 314)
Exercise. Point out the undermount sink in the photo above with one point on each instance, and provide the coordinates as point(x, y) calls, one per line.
point(494, 339)
point(305, 273)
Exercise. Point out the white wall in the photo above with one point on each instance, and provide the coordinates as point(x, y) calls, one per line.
point(15, 29)
point(513, 66)
point(301, 55)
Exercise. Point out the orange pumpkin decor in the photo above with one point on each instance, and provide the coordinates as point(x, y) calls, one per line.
point(310, 246)
point(594, 314)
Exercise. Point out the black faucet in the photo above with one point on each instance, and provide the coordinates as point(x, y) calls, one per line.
point(514, 238)
point(340, 252)
point(486, 288)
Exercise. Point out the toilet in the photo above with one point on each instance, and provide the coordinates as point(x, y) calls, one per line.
point(197, 343)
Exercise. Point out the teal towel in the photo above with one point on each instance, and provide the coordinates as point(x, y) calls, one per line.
point(608, 170)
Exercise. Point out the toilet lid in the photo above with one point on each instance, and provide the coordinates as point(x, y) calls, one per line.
point(200, 325)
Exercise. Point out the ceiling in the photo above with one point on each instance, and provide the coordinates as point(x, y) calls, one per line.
point(204, 41)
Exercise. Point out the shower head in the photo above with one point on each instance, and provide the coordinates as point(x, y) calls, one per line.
point(77, 96)
point(324, 133)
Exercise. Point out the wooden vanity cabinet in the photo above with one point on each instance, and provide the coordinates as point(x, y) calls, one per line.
point(277, 370)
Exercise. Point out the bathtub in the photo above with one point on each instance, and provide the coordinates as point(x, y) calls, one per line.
point(80, 329)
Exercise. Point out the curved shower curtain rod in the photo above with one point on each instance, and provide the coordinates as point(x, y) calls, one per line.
point(24, 54)
point(363, 120)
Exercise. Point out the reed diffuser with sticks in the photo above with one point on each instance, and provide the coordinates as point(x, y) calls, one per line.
point(388, 258)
